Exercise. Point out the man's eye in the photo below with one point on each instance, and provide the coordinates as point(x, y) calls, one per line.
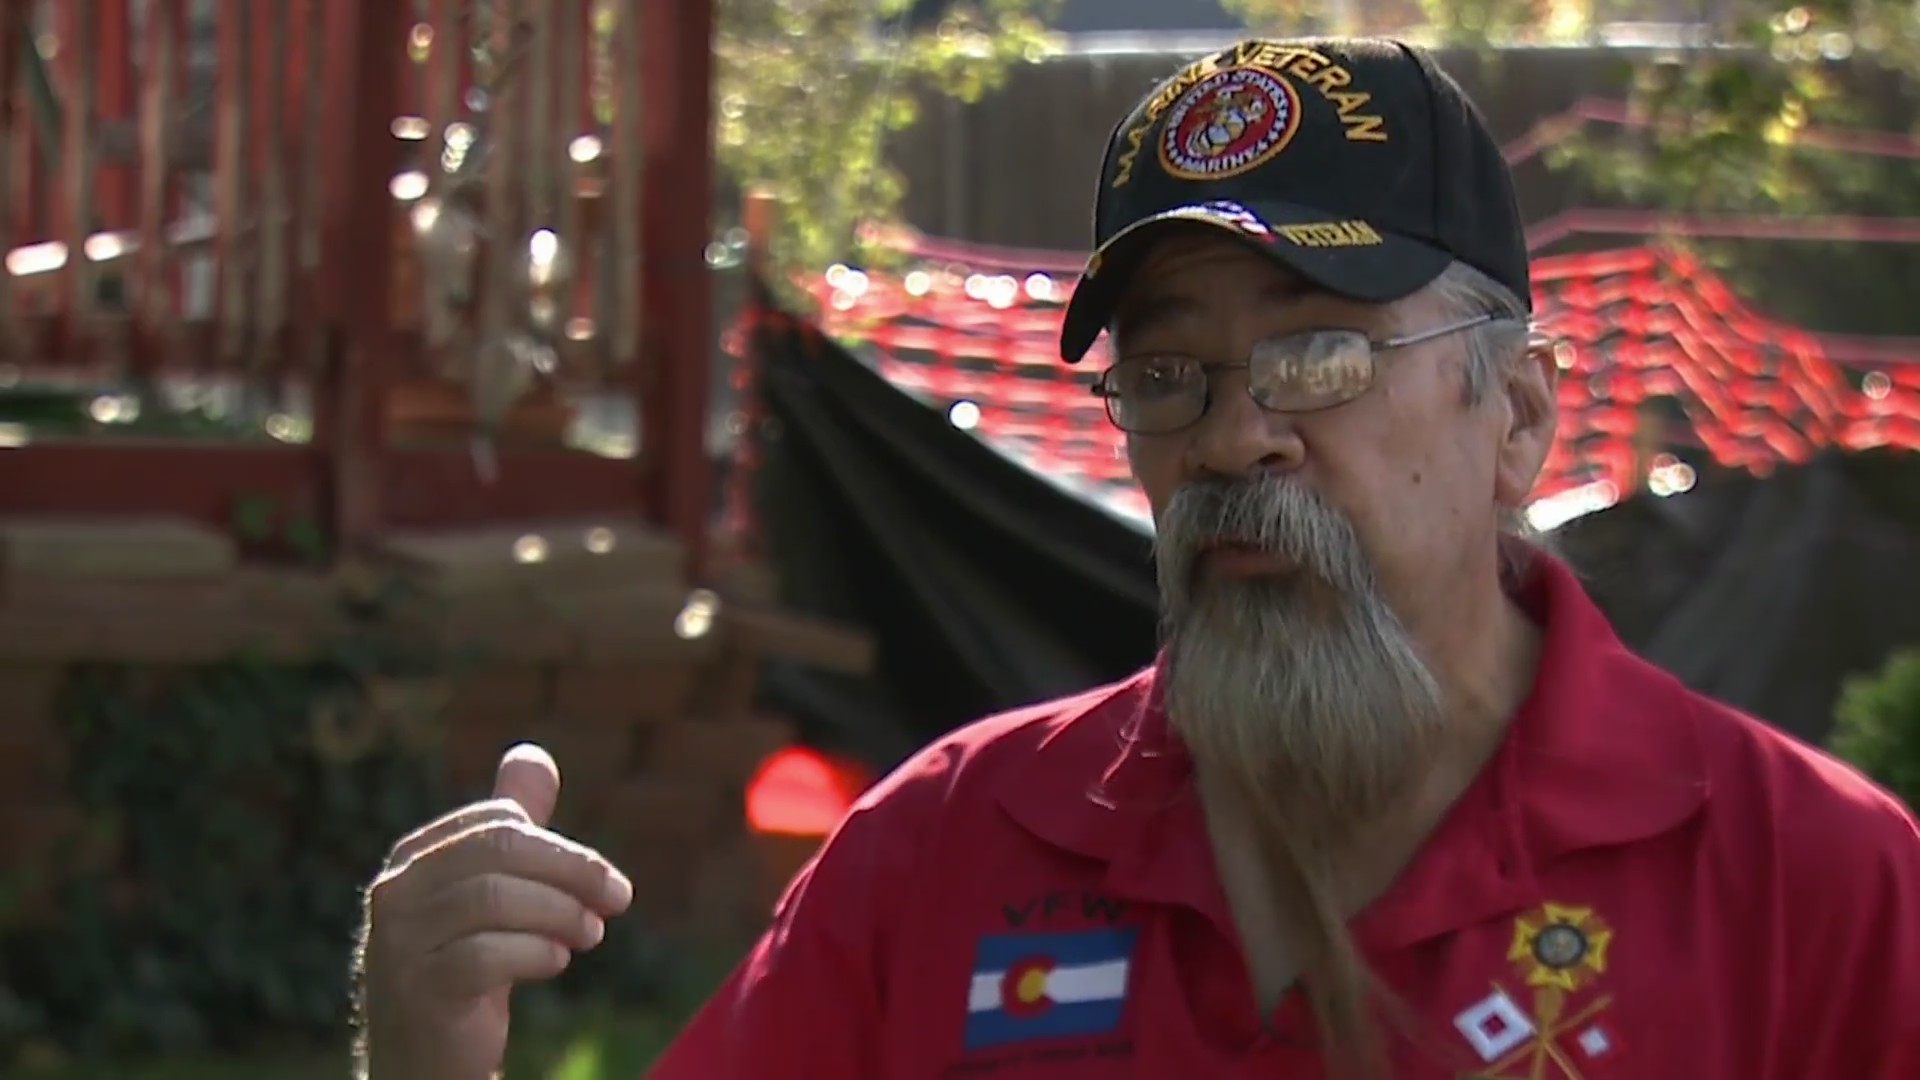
point(1328, 364)
point(1147, 378)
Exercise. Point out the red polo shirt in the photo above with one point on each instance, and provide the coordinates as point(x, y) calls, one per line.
point(1642, 884)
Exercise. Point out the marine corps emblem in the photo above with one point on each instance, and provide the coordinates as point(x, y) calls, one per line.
point(1227, 123)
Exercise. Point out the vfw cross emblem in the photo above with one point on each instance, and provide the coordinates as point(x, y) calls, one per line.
point(1549, 1026)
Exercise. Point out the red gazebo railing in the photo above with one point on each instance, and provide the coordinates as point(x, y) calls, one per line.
point(241, 201)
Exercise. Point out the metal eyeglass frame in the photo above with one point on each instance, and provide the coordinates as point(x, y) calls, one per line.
point(1375, 346)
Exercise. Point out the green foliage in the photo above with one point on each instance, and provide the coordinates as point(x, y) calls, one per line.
point(1437, 22)
point(265, 526)
point(1722, 123)
point(241, 848)
point(230, 815)
point(60, 412)
point(806, 92)
point(1724, 131)
point(1877, 726)
point(1287, 17)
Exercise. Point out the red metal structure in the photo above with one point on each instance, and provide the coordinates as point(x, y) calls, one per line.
point(311, 148)
point(974, 330)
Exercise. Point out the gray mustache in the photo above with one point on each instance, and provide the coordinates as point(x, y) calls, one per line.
point(1272, 515)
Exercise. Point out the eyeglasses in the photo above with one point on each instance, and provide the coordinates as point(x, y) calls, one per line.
point(1161, 393)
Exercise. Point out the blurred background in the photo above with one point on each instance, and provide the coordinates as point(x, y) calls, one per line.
point(383, 382)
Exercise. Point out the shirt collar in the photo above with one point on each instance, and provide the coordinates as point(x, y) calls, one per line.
point(1604, 749)
point(1601, 752)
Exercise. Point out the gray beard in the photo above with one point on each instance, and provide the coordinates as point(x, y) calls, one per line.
point(1303, 697)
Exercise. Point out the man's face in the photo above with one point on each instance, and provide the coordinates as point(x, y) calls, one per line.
point(1301, 554)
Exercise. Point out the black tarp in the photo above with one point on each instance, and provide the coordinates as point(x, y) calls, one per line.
point(988, 587)
point(985, 585)
point(1765, 592)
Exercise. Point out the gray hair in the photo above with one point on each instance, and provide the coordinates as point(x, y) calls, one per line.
point(1492, 348)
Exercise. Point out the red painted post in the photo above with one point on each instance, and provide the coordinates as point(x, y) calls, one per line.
point(11, 123)
point(29, 210)
point(156, 273)
point(233, 189)
point(365, 46)
point(676, 298)
point(74, 208)
point(113, 78)
point(306, 111)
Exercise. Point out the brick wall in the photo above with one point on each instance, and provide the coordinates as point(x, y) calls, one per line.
point(595, 657)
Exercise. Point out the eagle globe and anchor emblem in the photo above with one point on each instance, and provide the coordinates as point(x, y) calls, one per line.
point(1229, 122)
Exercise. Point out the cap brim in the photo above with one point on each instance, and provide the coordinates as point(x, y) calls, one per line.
point(1381, 272)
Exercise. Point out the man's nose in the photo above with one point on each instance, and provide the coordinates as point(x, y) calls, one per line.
point(1237, 437)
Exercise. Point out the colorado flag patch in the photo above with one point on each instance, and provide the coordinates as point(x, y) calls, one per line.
point(1048, 986)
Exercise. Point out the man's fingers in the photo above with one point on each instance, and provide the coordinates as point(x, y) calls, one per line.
point(497, 902)
point(477, 964)
point(528, 776)
point(452, 824)
point(515, 848)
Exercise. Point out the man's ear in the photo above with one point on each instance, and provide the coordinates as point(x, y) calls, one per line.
point(1533, 416)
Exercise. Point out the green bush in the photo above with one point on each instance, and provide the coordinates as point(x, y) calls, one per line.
point(229, 907)
point(240, 835)
point(1877, 726)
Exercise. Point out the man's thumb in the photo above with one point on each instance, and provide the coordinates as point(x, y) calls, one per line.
point(528, 776)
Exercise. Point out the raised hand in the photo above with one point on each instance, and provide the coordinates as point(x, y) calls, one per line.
point(466, 907)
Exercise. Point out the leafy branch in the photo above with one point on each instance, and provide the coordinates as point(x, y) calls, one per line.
point(806, 93)
point(1719, 120)
point(1877, 725)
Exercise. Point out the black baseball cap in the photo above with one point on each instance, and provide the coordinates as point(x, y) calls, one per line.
point(1356, 163)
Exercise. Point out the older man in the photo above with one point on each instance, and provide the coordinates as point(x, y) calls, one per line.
point(1392, 802)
